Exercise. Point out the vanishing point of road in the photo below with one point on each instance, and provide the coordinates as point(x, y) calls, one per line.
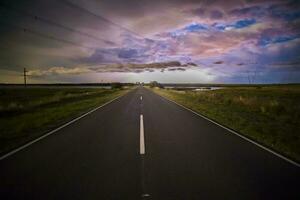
point(142, 146)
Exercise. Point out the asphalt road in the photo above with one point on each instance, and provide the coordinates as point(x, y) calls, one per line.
point(185, 157)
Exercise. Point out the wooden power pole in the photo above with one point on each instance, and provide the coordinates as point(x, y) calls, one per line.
point(25, 81)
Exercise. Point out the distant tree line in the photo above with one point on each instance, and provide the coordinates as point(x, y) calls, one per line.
point(116, 85)
point(153, 84)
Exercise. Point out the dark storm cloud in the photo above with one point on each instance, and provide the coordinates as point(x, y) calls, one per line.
point(248, 11)
point(285, 10)
point(29, 26)
point(177, 69)
point(216, 14)
point(219, 62)
point(129, 67)
point(200, 12)
point(127, 53)
point(123, 35)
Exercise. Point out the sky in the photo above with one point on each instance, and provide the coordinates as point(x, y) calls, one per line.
point(169, 41)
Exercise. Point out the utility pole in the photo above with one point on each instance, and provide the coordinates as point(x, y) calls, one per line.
point(249, 78)
point(25, 81)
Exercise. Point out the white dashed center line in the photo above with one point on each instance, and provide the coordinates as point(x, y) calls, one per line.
point(142, 139)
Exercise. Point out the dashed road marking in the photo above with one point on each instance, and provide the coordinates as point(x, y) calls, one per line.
point(142, 139)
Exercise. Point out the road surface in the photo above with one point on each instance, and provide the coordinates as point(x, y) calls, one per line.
point(142, 146)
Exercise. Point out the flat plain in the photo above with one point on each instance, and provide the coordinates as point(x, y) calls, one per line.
point(27, 113)
point(269, 115)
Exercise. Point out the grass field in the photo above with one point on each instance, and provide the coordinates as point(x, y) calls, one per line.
point(269, 115)
point(26, 113)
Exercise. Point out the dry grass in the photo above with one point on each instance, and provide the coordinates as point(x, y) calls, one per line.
point(269, 115)
point(28, 113)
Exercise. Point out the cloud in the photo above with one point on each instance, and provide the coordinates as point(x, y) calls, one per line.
point(244, 23)
point(198, 12)
point(177, 69)
point(266, 40)
point(128, 67)
point(58, 71)
point(195, 27)
point(290, 65)
point(287, 11)
point(249, 11)
point(219, 62)
point(216, 14)
point(191, 31)
point(240, 24)
point(127, 53)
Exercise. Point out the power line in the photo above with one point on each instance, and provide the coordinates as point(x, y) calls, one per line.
point(52, 23)
point(75, 6)
point(33, 32)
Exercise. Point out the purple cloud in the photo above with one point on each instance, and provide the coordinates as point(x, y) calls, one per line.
point(128, 53)
point(198, 12)
point(216, 14)
point(252, 11)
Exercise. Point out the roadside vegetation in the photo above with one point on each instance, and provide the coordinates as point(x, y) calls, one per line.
point(269, 115)
point(26, 113)
point(154, 84)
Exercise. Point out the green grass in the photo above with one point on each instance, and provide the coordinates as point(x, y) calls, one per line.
point(26, 113)
point(269, 115)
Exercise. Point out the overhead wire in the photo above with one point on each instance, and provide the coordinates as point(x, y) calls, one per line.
point(102, 18)
point(56, 24)
point(37, 33)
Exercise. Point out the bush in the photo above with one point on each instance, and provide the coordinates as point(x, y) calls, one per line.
point(116, 85)
point(155, 84)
